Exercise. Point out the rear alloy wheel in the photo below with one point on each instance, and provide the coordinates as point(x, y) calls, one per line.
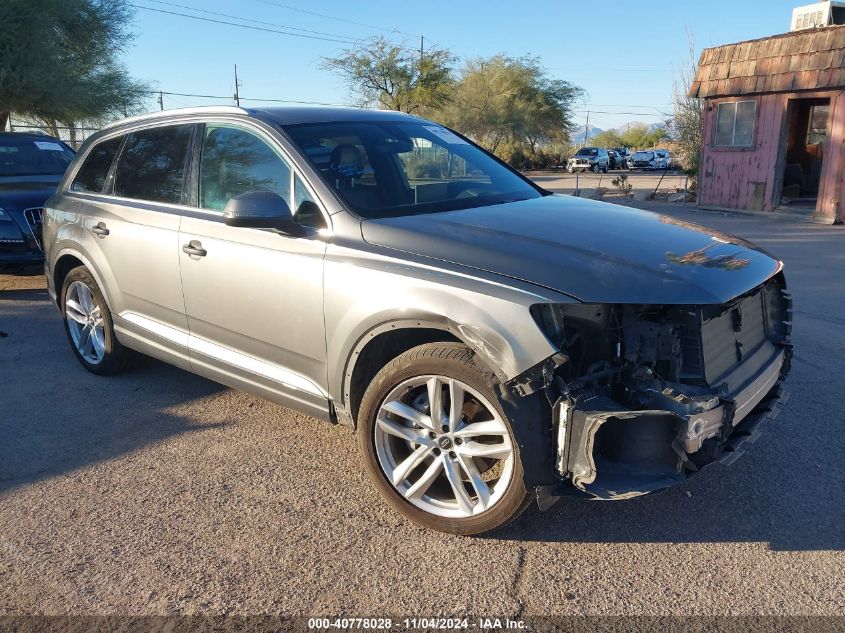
point(85, 323)
point(88, 325)
point(437, 443)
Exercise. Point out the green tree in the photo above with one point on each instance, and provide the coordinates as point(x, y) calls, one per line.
point(395, 77)
point(640, 136)
point(607, 138)
point(687, 123)
point(511, 107)
point(59, 60)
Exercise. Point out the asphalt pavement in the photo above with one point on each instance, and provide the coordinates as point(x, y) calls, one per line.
point(159, 492)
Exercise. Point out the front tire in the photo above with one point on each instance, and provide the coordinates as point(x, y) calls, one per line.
point(461, 473)
point(89, 326)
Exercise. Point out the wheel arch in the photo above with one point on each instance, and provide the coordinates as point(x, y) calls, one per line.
point(381, 344)
point(68, 259)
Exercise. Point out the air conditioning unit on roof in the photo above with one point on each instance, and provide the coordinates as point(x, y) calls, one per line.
point(818, 14)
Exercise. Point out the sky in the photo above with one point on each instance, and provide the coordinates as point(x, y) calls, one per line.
point(624, 54)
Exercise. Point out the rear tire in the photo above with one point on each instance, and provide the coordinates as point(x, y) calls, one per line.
point(89, 325)
point(444, 475)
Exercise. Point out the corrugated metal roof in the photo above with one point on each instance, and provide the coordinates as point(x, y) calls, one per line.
point(812, 59)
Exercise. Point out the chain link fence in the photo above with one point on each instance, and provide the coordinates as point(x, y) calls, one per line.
point(71, 135)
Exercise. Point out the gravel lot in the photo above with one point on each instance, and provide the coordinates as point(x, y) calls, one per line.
point(159, 492)
point(641, 181)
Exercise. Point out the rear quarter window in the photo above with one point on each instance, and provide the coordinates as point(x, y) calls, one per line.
point(91, 177)
point(152, 164)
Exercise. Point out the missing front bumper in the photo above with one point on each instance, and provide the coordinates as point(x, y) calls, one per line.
point(613, 453)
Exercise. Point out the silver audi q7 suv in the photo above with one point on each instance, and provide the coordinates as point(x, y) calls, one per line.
point(490, 342)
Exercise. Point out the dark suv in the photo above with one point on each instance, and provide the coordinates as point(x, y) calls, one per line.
point(31, 166)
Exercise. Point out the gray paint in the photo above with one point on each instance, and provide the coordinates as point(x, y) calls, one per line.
point(298, 308)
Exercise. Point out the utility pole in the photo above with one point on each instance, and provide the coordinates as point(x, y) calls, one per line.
point(237, 96)
point(161, 99)
point(587, 129)
point(422, 40)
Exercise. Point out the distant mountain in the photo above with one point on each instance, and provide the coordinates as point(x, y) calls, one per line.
point(651, 126)
point(578, 136)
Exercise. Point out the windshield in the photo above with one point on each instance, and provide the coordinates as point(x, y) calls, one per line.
point(386, 169)
point(587, 151)
point(644, 155)
point(33, 156)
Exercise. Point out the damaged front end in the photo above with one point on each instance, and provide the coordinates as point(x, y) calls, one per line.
point(645, 395)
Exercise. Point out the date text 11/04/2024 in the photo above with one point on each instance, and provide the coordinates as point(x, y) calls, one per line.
point(433, 623)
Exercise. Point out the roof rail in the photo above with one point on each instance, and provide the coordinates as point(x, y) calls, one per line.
point(167, 113)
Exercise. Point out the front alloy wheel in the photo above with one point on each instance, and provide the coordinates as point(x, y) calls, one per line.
point(437, 443)
point(443, 447)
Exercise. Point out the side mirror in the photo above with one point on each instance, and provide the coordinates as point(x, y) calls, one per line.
point(261, 210)
point(308, 214)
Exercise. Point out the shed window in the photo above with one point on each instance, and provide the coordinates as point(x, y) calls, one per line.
point(817, 128)
point(735, 124)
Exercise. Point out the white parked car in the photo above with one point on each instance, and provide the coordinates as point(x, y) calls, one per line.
point(650, 159)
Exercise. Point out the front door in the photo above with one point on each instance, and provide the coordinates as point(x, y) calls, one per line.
point(253, 297)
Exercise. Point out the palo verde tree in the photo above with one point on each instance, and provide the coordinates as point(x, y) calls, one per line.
point(395, 77)
point(59, 60)
point(511, 107)
point(607, 138)
point(641, 136)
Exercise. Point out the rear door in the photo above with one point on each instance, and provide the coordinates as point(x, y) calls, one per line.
point(135, 227)
point(253, 297)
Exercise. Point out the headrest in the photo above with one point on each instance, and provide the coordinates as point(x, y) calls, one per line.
point(346, 160)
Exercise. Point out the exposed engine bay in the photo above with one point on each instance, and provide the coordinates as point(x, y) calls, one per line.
point(645, 394)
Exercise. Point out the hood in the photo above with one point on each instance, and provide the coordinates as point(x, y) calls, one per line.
point(21, 193)
point(593, 251)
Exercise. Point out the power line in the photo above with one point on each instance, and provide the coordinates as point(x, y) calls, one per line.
point(615, 70)
point(629, 105)
point(631, 113)
point(228, 97)
point(330, 17)
point(243, 26)
point(237, 17)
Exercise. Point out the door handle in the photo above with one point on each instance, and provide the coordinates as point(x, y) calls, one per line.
point(99, 229)
point(194, 248)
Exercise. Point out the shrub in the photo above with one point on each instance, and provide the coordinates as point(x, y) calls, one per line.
point(622, 185)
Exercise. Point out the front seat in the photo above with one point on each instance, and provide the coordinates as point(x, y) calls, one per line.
point(346, 167)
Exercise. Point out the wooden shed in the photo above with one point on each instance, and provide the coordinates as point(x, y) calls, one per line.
point(774, 123)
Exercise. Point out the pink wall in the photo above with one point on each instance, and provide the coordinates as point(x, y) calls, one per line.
point(730, 177)
point(832, 187)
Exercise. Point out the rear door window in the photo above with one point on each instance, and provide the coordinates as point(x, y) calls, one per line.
point(91, 177)
point(152, 164)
